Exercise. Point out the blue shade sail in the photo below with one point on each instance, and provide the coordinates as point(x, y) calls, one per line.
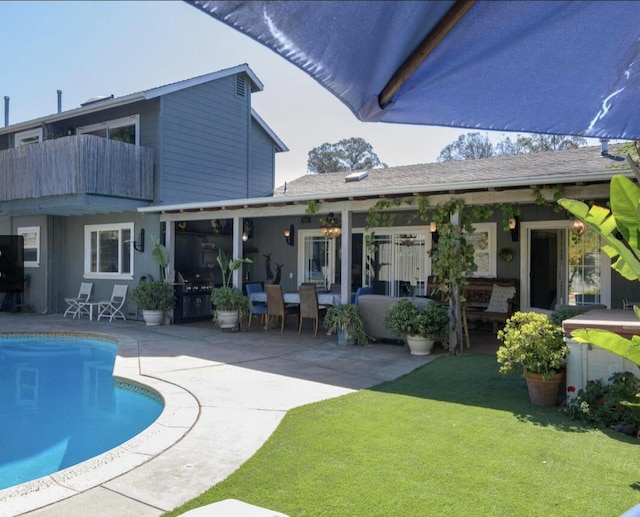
point(568, 68)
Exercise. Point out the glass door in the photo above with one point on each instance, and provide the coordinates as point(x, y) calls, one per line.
point(399, 263)
point(318, 266)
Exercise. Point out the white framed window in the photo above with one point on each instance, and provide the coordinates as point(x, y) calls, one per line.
point(483, 240)
point(32, 136)
point(31, 236)
point(126, 129)
point(108, 251)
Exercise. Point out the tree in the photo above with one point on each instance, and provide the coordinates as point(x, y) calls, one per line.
point(471, 146)
point(350, 154)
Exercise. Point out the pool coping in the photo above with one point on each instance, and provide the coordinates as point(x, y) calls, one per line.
point(180, 413)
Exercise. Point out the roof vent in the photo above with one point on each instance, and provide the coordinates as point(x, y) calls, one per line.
point(97, 98)
point(356, 176)
point(240, 86)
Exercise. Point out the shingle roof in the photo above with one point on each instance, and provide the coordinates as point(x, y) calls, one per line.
point(570, 166)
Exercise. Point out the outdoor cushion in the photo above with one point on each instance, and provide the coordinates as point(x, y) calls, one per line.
point(500, 296)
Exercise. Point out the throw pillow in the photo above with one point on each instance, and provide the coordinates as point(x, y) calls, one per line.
point(500, 296)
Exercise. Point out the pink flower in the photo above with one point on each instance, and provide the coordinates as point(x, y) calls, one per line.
point(571, 388)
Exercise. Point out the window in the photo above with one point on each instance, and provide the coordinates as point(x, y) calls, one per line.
point(584, 268)
point(108, 251)
point(33, 136)
point(31, 235)
point(483, 240)
point(122, 130)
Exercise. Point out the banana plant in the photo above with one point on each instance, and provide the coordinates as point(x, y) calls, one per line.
point(160, 256)
point(620, 228)
point(228, 266)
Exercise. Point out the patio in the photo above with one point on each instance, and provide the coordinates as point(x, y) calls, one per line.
point(226, 392)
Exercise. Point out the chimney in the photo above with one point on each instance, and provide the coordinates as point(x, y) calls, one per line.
point(59, 101)
point(604, 146)
point(6, 110)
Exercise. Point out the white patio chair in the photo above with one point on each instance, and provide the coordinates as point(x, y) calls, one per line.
point(75, 305)
point(113, 308)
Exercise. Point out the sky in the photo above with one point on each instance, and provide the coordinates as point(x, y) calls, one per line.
point(120, 47)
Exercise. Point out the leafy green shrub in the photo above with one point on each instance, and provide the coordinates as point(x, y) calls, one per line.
point(564, 313)
point(531, 342)
point(153, 296)
point(606, 405)
point(406, 319)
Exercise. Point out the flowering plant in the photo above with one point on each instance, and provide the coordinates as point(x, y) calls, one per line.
point(607, 405)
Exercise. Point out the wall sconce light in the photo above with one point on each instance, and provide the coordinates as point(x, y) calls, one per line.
point(578, 227)
point(245, 237)
point(330, 226)
point(289, 235)
point(139, 244)
point(433, 227)
point(514, 228)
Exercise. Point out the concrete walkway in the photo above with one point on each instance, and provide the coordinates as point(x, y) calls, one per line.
point(225, 393)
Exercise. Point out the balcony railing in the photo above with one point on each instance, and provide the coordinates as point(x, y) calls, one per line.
point(81, 164)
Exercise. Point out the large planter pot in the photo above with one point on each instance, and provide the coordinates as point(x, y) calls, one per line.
point(541, 392)
point(345, 337)
point(419, 345)
point(227, 319)
point(153, 318)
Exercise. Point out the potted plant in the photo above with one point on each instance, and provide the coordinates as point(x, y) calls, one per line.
point(345, 320)
point(533, 344)
point(419, 327)
point(154, 298)
point(229, 302)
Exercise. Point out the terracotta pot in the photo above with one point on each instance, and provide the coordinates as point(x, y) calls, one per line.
point(541, 392)
point(419, 345)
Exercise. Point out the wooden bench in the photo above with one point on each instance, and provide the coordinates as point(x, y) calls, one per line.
point(477, 294)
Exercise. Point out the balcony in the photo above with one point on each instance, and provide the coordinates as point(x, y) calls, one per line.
point(73, 165)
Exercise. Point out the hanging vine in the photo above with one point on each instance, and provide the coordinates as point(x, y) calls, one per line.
point(540, 200)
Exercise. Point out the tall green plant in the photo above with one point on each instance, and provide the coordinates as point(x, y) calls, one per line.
point(160, 256)
point(620, 228)
point(228, 266)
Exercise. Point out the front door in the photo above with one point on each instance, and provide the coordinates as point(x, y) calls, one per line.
point(543, 264)
point(545, 268)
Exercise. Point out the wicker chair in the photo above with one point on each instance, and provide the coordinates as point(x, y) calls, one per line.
point(309, 307)
point(276, 306)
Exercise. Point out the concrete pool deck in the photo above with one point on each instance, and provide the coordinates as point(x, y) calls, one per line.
point(225, 393)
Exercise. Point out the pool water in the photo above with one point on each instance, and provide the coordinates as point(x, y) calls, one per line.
point(60, 405)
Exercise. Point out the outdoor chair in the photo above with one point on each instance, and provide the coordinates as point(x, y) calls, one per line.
point(309, 307)
point(75, 305)
point(113, 308)
point(276, 306)
point(361, 291)
point(256, 307)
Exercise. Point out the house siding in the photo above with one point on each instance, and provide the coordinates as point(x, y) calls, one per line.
point(204, 137)
point(67, 239)
point(261, 179)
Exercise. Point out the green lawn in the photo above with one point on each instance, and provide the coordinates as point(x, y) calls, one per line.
point(452, 438)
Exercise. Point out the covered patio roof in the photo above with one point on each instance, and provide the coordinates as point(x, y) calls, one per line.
point(583, 166)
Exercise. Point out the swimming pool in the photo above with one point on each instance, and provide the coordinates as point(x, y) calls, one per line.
point(60, 404)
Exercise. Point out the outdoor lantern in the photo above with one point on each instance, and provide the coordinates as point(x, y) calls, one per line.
point(330, 226)
point(288, 235)
point(578, 227)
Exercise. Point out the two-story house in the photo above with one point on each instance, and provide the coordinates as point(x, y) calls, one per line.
point(71, 182)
